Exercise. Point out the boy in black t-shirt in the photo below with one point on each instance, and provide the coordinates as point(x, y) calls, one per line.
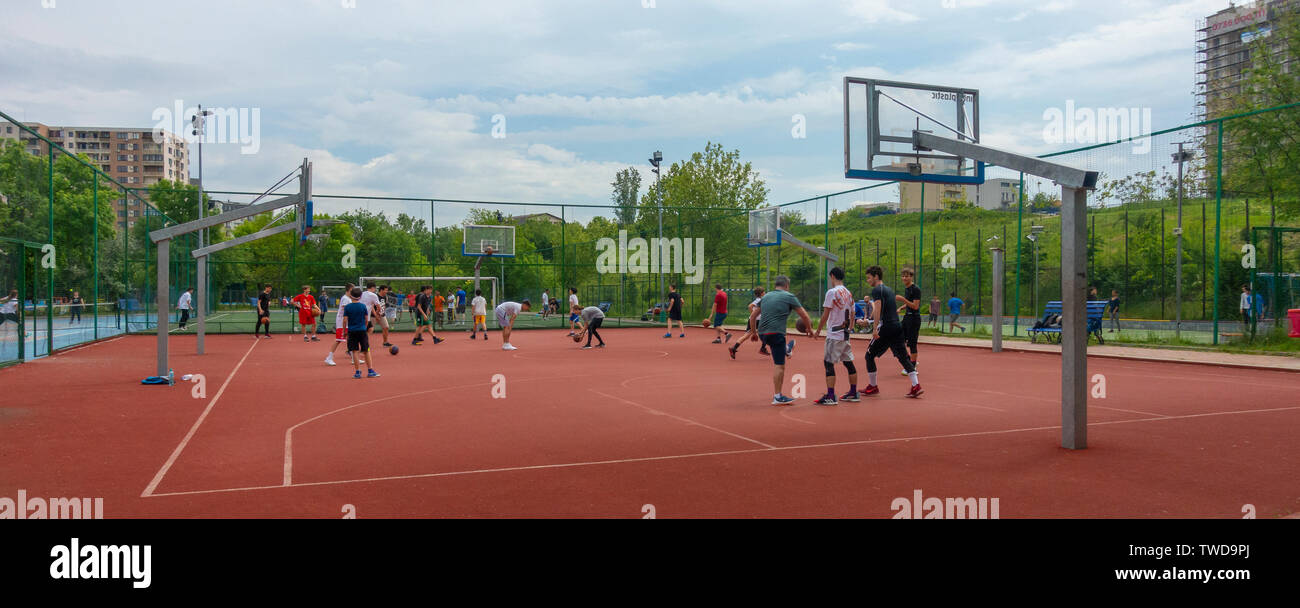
point(263, 311)
point(911, 311)
point(423, 322)
point(675, 312)
point(887, 334)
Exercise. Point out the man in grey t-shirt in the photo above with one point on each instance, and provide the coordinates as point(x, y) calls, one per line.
point(771, 316)
point(589, 319)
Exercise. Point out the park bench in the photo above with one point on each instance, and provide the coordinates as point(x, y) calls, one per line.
point(1050, 330)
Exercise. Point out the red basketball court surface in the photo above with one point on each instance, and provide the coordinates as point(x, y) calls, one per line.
point(672, 425)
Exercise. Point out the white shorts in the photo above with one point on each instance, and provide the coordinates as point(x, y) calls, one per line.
point(838, 351)
point(502, 319)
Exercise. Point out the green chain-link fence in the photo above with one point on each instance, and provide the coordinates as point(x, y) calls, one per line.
point(101, 280)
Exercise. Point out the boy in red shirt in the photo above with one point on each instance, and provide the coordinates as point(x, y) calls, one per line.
point(307, 312)
point(719, 313)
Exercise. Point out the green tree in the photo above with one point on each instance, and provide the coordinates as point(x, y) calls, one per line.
point(627, 184)
point(719, 181)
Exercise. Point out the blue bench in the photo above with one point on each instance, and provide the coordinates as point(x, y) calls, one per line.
point(1052, 333)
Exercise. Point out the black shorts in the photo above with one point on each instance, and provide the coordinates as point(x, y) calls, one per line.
point(911, 330)
point(9, 316)
point(776, 344)
point(890, 337)
point(675, 315)
point(358, 341)
point(261, 316)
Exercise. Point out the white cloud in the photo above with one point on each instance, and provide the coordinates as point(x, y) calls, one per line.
point(397, 97)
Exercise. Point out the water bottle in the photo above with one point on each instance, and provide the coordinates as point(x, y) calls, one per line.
point(171, 377)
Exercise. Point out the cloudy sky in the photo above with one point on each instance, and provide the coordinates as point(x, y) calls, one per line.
point(398, 97)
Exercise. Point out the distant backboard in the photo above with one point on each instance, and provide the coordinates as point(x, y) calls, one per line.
point(500, 240)
point(880, 117)
point(304, 208)
point(764, 227)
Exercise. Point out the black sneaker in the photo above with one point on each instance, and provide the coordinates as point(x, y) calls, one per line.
point(826, 400)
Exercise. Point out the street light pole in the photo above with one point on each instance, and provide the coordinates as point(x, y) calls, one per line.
point(1034, 231)
point(655, 161)
point(1180, 157)
point(199, 122)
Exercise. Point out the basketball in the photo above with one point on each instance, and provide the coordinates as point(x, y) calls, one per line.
point(487, 251)
point(801, 326)
point(705, 322)
point(393, 350)
point(577, 337)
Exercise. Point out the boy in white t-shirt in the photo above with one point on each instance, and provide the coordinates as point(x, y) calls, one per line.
point(479, 307)
point(9, 311)
point(507, 312)
point(837, 316)
point(573, 303)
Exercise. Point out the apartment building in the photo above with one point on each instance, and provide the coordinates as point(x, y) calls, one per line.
point(130, 156)
point(996, 194)
point(1223, 50)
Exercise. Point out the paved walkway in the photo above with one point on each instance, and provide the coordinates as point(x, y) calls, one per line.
point(1271, 362)
point(1282, 363)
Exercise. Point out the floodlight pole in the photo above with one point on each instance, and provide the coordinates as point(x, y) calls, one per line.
point(1075, 184)
point(1180, 157)
point(655, 161)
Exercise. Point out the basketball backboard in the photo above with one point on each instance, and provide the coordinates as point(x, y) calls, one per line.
point(764, 227)
point(500, 240)
point(880, 117)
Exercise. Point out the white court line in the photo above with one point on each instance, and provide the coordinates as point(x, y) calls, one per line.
point(76, 348)
point(785, 414)
point(288, 435)
point(1117, 409)
point(686, 420)
point(191, 318)
point(157, 479)
point(700, 455)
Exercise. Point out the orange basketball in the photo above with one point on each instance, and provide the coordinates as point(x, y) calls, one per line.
point(705, 322)
point(801, 326)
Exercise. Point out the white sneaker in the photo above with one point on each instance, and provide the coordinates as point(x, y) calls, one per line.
point(508, 346)
point(329, 360)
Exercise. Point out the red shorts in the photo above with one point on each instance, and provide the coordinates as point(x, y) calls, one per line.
point(306, 318)
point(341, 334)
